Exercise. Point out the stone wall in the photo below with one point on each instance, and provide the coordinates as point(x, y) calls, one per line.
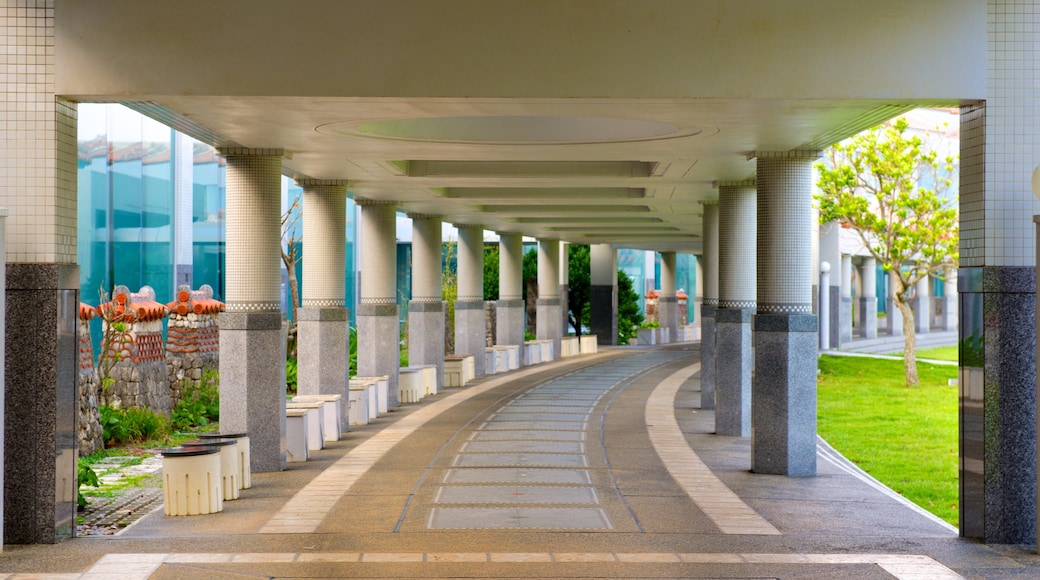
point(490, 324)
point(650, 302)
point(90, 434)
point(132, 364)
point(193, 338)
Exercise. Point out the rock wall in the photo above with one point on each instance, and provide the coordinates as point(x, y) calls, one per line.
point(132, 365)
point(89, 425)
point(193, 338)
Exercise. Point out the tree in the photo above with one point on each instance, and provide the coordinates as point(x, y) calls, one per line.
point(291, 255)
point(629, 316)
point(491, 272)
point(891, 189)
point(579, 284)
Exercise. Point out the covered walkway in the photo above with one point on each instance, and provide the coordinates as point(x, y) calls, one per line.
point(601, 466)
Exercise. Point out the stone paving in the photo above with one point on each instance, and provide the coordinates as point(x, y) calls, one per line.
point(106, 516)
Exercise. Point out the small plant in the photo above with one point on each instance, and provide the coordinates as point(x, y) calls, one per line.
point(131, 425)
point(85, 475)
point(352, 356)
point(291, 372)
point(647, 324)
point(200, 404)
point(528, 336)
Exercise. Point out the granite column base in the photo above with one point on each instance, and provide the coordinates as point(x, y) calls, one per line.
point(949, 312)
point(547, 327)
point(868, 317)
point(509, 324)
point(40, 403)
point(894, 318)
point(471, 332)
point(379, 346)
point(323, 352)
point(426, 335)
point(668, 316)
point(783, 411)
point(603, 313)
point(997, 404)
point(733, 366)
point(835, 305)
point(922, 314)
point(708, 359)
point(252, 384)
point(845, 321)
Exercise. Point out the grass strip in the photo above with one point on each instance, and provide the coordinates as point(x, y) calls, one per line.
point(905, 438)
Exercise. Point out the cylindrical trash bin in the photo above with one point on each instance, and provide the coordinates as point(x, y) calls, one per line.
point(243, 454)
point(229, 467)
point(191, 481)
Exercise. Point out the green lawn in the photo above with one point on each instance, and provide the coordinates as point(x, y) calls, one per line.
point(938, 353)
point(905, 438)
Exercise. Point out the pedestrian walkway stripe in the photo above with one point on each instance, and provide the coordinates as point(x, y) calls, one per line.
point(141, 566)
point(725, 508)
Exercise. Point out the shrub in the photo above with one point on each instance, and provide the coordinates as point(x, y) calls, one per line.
point(131, 425)
point(200, 404)
point(291, 371)
point(85, 475)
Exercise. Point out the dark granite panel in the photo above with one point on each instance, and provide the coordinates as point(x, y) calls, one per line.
point(734, 315)
point(708, 310)
point(834, 305)
point(845, 320)
point(41, 354)
point(514, 303)
point(324, 314)
point(1008, 279)
point(669, 299)
point(469, 305)
point(784, 404)
point(250, 320)
point(377, 310)
point(733, 368)
point(417, 306)
point(603, 313)
point(772, 322)
point(708, 364)
point(548, 302)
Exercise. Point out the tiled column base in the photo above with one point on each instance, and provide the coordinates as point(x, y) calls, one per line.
point(40, 403)
point(834, 301)
point(708, 358)
point(379, 346)
point(565, 290)
point(603, 313)
point(471, 332)
point(998, 404)
point(426, 335)
point(509, 324)
point(868, 317)
point(547, 311)
point(733, 367)
point(845, 320)
point(323, 348)
point(784, 410)
point(252, 384)
point(668, 315)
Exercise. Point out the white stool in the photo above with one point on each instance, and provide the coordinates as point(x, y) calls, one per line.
point(244, 478)
point(315, 427)
point(296, 427)
point(230, 471)
point(331, 408)
point(191, 481)
point(358, 413)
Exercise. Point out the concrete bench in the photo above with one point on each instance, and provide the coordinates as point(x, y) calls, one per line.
point(245, 472)
point(570, 346)
point(412, 381)
point(359, 405)
point(589, 344)
point(332, 411)
point(230, 470)
point(192, 481)
point(296, 427)
point(315, 424)
point(382, 393)
point(532, 352)
point(458, 370)
point(548, 348)
point(490, 362)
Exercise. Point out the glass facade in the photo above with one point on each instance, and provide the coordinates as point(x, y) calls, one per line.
point(134, 175)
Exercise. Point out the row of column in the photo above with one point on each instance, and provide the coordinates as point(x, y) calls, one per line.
point(758, 333)
point(252, 339)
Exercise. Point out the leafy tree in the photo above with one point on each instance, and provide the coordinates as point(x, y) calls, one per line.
point(629, 315)
point(890, 188)
point(491, 272)
point(529, 266)
point(579, 282)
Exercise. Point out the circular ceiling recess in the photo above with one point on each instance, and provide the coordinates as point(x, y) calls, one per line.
point(513, 130)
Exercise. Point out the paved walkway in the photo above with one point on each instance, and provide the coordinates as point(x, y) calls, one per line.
point(596, 467)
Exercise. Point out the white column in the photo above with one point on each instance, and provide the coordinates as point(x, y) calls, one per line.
point(868, 302)
point(379, 329)
point(426, 308)
point(252, 338)
point(509, 310)
point(603, 293)
point(894, 315)
point(710, 304)
point(783, 439)
point(470, 318)
point(667, 303)
point(923, 305)
point(323, 327)
point(548, 316)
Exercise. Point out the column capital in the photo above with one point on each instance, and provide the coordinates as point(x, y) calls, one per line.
point(424, 216)
point(468, 226)
point(711, 202)
point(743, 183)
point(322, 182)
point(252, 152)
point(792, 154)
point(365, 202)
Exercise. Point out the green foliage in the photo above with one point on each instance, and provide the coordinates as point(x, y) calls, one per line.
point(889, 188)
point(450, 292)
point(491, 261)
point(199, 405)
point(352, 352)
point(905, 438)
point(85, 475)
point(291, 371)
point(629, 315)
point(579, 283)
point(131, 425)
point(529, 265)
point(529, 336)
